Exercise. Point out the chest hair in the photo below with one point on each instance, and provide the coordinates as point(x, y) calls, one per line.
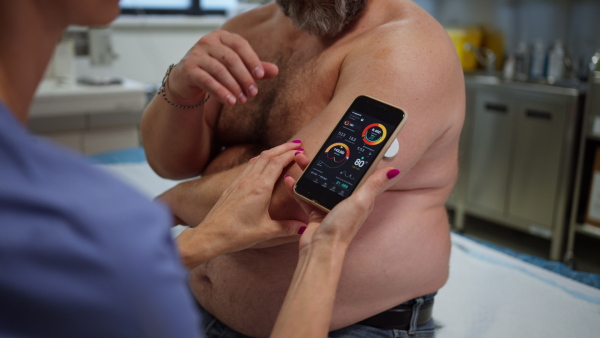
point(284, 104)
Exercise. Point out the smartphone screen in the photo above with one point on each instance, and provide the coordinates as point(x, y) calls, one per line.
point(348, 154)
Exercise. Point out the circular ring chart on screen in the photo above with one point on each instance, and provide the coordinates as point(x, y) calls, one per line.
point(374, 134)
point(337, 154)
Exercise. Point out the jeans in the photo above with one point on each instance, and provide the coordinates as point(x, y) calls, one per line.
point(213, 328)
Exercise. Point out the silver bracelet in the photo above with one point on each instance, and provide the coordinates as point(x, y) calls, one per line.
point(162, 91)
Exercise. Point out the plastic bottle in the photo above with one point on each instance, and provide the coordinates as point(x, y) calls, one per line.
point(508, 71)
point(522, 62)
point(537, 69)
point(595, 62)
point(556, 62)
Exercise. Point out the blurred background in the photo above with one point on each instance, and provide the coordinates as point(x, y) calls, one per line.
point(530, 165)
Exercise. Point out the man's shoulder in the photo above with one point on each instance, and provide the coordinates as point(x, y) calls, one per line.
point(407, 25)
point(409, 53)
point(412, 41)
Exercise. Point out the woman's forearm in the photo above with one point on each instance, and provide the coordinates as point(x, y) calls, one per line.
point(198, 246)
point(307, 309)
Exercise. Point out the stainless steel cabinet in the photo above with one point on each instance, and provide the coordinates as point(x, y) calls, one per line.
point(590, 141)
point(519, 165)
point(539, 144)
point(487, 183)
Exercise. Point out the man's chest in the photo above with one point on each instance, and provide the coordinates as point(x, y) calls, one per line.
point(304, 86)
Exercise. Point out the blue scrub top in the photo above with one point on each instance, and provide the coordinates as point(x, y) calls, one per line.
point(81, 254)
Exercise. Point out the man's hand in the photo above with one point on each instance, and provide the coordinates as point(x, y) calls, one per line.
point(222, 64)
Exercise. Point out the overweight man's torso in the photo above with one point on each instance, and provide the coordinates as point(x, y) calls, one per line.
point(401, 252)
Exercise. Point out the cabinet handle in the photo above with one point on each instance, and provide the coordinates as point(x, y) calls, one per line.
point(495, 107)
point(536, 114)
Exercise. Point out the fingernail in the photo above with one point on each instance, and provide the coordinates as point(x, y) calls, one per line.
point(230, 99)
point(258, 72)
point(297, 141)
point(252, 90)
point(242, 98)
point(393, 173)
point(300, 149)
point(296, 153)
point(286, 175)
point(301, 230)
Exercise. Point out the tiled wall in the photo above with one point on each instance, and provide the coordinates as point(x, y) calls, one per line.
point(575, 22)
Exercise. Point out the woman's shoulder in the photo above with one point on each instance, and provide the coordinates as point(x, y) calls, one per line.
point(45, 183)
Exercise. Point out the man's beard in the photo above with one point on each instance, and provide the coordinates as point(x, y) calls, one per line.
point(323, 18)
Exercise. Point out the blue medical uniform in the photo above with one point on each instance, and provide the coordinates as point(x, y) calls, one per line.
point(81, 254)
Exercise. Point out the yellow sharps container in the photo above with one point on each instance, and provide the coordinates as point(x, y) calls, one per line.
point(462, 35)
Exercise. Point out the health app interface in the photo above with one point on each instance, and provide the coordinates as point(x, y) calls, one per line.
point(349, 152)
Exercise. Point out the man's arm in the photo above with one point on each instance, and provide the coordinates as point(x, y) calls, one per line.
point(180, 142)
point(192, 200)
point(379, 66)
point(382, 68)
point(423, 83)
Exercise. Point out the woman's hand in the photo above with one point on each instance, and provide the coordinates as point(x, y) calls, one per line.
point(322, 250)
point(343, 222)
point(222, 64)
point(240, 219)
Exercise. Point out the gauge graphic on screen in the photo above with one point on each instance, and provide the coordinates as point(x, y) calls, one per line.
point(374, 134)
point(336, 155)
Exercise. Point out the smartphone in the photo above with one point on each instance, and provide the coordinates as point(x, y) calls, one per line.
point(350, 153)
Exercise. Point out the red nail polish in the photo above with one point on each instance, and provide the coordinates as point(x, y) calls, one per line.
point(296, 153)
point(393, 173)
point(286, 175)
point(297, 141)
point(301, 230)
point(300, 149)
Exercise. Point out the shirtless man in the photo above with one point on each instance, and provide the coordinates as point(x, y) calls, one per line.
point(282, 76)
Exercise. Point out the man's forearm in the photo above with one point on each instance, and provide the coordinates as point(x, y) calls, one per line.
point(178, 142)
point(192, 200)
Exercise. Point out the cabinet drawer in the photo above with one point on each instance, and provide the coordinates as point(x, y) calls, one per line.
point(537, 161)
point(490, 152)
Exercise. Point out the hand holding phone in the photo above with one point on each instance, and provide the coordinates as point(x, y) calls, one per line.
point(350, 153)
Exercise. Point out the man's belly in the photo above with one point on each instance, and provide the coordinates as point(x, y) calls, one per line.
point(401, 252)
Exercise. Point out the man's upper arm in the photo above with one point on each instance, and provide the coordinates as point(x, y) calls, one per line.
point(397, 74)
point(410, 75)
